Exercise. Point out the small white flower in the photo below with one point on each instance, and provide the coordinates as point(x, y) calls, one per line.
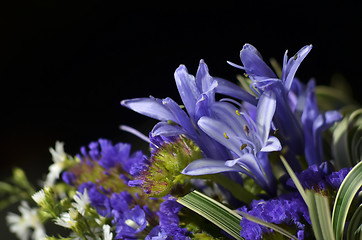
point(59, 157)
point(67, 219)
point(39, 197)
point(107, 234)
point(21, 225)
point(81, 201)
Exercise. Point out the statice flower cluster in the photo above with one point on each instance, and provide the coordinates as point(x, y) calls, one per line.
point(268, 157)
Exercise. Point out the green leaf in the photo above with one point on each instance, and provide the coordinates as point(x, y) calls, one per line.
point(354, 227)
point(269, 225)
point(320, 215)
point(347, 140)
point(340, 148)
point(348, 189)
point(295, 179)
point(215, 212)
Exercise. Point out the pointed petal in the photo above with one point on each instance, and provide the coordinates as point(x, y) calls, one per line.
point(230, 89)
point(204, 81)
point(264, 114)
point(271, 145)
point(186, 86)
point(293, 65)
point(151, 107)
point(208, 166)
point(254, 64)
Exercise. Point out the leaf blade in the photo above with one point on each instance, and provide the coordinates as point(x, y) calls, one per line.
point(215, 212)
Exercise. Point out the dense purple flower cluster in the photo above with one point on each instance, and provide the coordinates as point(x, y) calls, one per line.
point(131, 211)
point(289, 209)
point(320, 177)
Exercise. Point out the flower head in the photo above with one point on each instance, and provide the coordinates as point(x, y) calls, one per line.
point(197, 94)
point(248, 141)
point(264, 79)
point(287, 209)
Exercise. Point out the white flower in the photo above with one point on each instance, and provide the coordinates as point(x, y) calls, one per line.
point(107, 234)
point(21, 225)
point(39, 196)
point(59, 157)
point(67, 219)
point(81, 201)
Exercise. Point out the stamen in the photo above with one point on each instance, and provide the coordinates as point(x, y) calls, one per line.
point(243, 146)
point(295, 57)
point(276, 131)
point(237, 112)
point(246, 130)
point(226, 136)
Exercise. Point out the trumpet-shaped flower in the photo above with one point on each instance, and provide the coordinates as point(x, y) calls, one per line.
point(197, 94)
point(249, 141)
point(264, 79)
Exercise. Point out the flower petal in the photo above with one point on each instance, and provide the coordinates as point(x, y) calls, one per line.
point(150, 107)
point(254, 64)
point(207, 166)
point(264, 114)
point(186, 86)
point(271, 145)
point(230, 89)
point(293, 64)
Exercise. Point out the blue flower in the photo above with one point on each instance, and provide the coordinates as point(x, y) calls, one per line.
point(286, 209)
point(197, 94)
point(314, 123)
point(335, 179)
point(248, 141)
point(130, 222)
point(264, 79)
point(108, 155)
point(98, 200)
point(169, 220)
point(319, 177)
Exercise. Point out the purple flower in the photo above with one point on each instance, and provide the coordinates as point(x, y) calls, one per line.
point(130, 222)
point(314, 123)
point(98, 200)
point(197, 95)
point(248, 141)
point(108, 155)
point(320, 177)
point(169, 220)
point(335, 179)
point(287, 209)
point(264, 79)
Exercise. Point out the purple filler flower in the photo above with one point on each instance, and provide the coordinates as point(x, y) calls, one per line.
point(287, 209)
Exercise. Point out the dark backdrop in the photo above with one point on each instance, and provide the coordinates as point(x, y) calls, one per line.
point(65, 67)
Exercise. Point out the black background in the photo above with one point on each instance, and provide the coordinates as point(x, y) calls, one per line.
point(65, 67)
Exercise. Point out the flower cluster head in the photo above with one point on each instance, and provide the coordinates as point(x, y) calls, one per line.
point(287, 209)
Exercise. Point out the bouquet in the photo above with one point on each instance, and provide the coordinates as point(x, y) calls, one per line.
point(269, 157)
